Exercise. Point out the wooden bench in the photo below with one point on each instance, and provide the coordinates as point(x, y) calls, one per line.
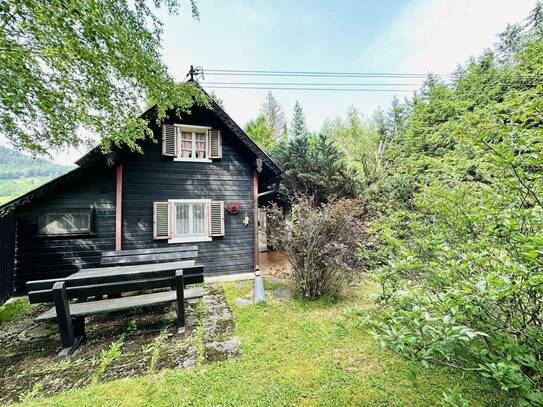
point(113, 282)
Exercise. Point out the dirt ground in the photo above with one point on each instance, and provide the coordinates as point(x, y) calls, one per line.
point(118, 345)
point(273, 264)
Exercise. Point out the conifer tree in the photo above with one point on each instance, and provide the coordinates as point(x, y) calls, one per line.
point(298, 126)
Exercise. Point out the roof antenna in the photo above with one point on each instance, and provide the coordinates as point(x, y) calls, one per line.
point(195, 73)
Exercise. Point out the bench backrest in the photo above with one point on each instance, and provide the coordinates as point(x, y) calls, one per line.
point(142, 256)
point(94, 284)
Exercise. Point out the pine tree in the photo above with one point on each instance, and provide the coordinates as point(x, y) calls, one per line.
point(271, 109)
point(298, 126)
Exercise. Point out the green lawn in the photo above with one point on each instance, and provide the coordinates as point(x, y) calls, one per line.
point(11, 311)
point(293, 355)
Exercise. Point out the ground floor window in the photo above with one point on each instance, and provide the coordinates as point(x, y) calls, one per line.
point(190, 220)
point(66, 222)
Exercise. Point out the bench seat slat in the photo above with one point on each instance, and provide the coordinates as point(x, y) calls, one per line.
point(119, 304)
point(173, 249)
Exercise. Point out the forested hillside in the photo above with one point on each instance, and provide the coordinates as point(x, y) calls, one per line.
point(20, 173)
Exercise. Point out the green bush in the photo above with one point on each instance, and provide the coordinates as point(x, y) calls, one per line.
point(460, 223)
point(319, 242)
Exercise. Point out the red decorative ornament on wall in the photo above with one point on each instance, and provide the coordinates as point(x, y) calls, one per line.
point(233, 208)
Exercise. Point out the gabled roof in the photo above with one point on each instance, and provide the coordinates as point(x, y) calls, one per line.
point(96, 154)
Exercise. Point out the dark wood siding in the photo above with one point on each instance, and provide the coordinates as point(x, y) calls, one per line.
point(147, 178)
point(7, 255)
point(152, 177)
point(40, 257)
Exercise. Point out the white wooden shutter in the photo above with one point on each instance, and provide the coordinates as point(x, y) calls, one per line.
point(169, 145)
point(216, 218)
point(161, 221)
point(215, 143)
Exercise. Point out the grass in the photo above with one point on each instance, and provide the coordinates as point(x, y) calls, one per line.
point(15, 309)
point(293, 355)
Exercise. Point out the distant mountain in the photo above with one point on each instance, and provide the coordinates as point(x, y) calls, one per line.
point(17, 165)
point(20, 173)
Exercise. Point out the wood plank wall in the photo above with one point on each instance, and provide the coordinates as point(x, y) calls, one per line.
point(146, 178)
point(7, 255)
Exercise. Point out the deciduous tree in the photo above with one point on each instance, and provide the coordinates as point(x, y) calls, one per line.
point(262, 132)
point(73, 68)
point(272, 111)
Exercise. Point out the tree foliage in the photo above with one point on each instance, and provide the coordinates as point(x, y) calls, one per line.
point(273, 112)
point(362, 142)
point(460, 219)
point(297, 125)
point(262, 132)
point(69, 69)
point(314, 167)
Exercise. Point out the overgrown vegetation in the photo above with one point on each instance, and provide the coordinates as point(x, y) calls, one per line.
point(459, 217)
point(106, 357)
point(453, 181)
point(319, 242)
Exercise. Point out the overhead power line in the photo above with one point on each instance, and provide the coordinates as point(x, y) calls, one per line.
point(254, 72)
point(242, 72)
point(405, 82)
point(310, 83)
point(307, 88)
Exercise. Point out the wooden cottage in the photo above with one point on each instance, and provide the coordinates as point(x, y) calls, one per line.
point(196, 184)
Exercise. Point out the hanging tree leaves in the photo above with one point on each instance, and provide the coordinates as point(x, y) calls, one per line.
point(71, 69)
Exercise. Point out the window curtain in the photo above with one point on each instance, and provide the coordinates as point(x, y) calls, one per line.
point(182, 225)
point(201, 147)
point(190, 219)
point(186, 144)
point(198, 219)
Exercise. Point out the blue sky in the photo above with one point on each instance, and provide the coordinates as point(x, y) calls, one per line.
point(354, 36)
point(403, 36)
point(413, 36)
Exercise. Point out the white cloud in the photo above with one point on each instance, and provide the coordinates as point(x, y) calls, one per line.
point(436, 35)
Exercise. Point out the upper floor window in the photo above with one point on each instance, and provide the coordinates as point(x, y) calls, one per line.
point(191, 143)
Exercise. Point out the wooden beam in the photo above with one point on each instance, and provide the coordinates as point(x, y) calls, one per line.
point(118, 206)
point(255, 218)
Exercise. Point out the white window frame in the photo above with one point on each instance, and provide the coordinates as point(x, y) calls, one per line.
point(193, 129)
point(43, 222)
point(189, 238)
